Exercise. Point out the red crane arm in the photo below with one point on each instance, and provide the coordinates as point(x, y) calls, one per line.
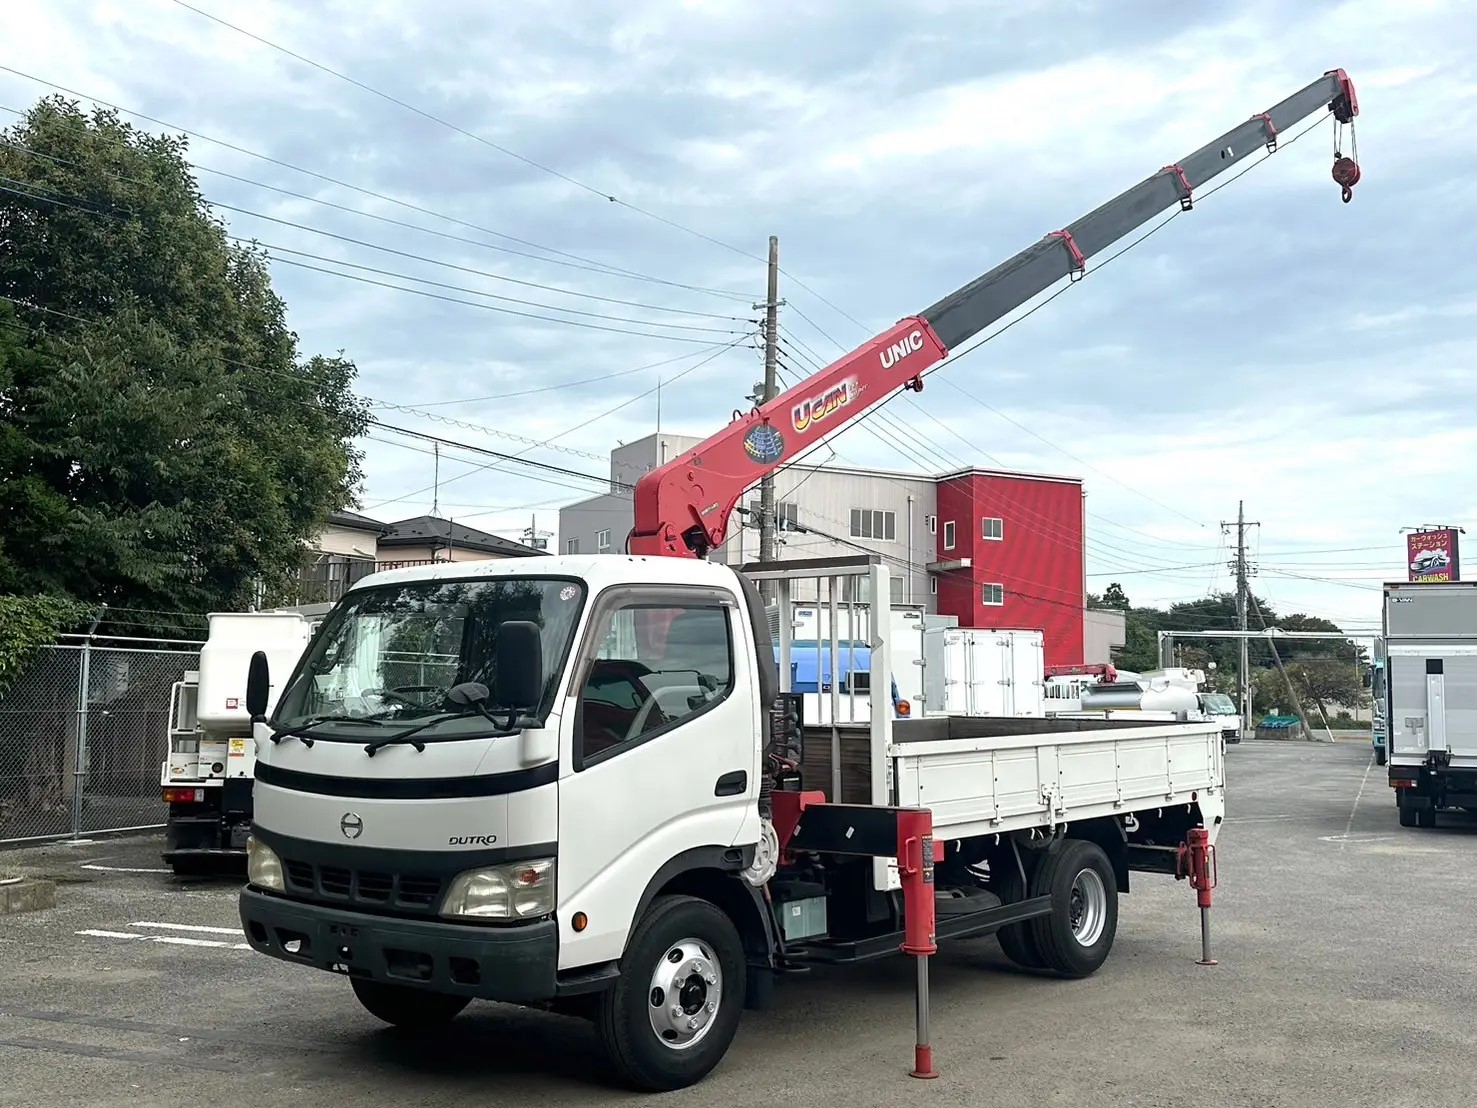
point(682, 508)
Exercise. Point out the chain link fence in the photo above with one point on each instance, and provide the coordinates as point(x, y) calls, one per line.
point(83, 733)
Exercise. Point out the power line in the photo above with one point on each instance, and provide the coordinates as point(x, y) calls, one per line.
point(602, 267)
point(294, 224)
point(507, 151)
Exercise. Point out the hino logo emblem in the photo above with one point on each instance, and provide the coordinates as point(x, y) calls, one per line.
point(351, 825)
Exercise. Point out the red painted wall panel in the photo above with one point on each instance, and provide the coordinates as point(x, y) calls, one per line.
point(1037, 559)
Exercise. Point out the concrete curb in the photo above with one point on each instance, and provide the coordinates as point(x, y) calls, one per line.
point(26, 894)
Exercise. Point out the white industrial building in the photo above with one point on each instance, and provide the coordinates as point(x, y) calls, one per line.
point(1010, 566)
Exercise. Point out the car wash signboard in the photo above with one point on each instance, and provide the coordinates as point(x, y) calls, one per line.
point(1432, 555)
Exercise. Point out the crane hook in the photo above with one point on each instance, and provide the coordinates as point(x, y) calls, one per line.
point(1345, 175)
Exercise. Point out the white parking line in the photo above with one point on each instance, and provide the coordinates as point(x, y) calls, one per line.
point(124, 869)
point(1362, 782)
point(172, 940)
point(191, 927)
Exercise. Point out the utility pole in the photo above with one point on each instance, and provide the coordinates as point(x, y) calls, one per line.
point(1243, 595)
point(771, 355)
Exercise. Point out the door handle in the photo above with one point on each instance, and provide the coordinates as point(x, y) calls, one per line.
point(732, 784)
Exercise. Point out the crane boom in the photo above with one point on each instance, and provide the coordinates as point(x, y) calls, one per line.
point(682, 508)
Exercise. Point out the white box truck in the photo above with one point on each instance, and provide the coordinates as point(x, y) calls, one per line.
point(1430, 641)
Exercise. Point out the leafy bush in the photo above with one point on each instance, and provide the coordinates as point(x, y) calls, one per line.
point(28, 623)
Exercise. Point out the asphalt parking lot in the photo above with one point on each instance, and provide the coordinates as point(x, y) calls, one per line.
point(1347, 976)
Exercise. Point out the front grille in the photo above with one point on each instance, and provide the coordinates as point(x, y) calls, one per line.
point(371, 888)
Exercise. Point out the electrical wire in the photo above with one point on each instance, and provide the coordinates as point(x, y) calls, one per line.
point(507, 151)
point(602, 267)
point(76, 203)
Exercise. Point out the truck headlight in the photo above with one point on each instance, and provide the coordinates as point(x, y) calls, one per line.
point(263, 867)
point(517, 890)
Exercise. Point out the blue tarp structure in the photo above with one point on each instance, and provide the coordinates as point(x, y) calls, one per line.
point(806, 662)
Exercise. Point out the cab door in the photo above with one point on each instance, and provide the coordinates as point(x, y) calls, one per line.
point(660, 750)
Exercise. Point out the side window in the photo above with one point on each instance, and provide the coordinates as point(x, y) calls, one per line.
point(656, 664)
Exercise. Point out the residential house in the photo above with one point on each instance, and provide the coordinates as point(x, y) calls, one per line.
point(352, 546)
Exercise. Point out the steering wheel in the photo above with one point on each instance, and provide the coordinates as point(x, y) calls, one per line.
point(397, 694)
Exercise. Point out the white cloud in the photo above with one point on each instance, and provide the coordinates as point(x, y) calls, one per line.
point(1273, 346)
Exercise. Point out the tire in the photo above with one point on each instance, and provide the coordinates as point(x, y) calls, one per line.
point(702, 943)
point(1016, 939)
point(1077, 935)
point(1426, 817)
point(1408, 816)
point(407, 1007)
point(1380, 757)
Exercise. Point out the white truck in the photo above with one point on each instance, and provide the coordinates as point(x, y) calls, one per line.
point(579, 782)
point(208, 766)
point(603, 806)
point(1430, 688)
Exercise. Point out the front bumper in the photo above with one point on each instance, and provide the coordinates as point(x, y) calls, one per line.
point(516, 963)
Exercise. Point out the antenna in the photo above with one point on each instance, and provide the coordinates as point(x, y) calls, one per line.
point(436, 479)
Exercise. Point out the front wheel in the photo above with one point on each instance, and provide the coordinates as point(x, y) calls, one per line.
point(675, 1008)
point(1075, 937)
point(407, 1007)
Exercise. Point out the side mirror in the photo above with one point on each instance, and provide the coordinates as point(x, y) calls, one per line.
point(258, 686)
point(519, 658)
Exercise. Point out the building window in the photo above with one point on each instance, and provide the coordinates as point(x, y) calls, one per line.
point(932, 523)
point(993, 596)
point(602, 541)
point(867, 524)
point(948, 534)
point(572, 546)
point(993, 529)
point(933, 586)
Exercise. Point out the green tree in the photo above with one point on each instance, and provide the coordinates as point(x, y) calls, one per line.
point(163, 444)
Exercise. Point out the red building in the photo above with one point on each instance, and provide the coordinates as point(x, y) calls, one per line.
point(1009, 554)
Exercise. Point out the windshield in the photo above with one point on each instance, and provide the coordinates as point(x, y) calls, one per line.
point(390, 654)
point(1219, 704)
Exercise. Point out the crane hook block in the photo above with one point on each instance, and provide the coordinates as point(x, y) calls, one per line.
point(1346, 176)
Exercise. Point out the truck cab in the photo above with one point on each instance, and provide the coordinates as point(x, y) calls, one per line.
point(1221, 708)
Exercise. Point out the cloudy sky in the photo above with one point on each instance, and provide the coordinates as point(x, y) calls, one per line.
point(1274, 345)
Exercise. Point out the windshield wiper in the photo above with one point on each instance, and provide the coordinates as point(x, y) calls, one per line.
point(407, 735)
point(471, 697)
point(304, 731)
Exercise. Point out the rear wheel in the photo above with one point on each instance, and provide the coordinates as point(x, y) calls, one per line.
point(1407, 816)
point(1016, 939)
point(1379, 756)
point(675, 1008)
point(407, 1007)
point(1077, 935)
